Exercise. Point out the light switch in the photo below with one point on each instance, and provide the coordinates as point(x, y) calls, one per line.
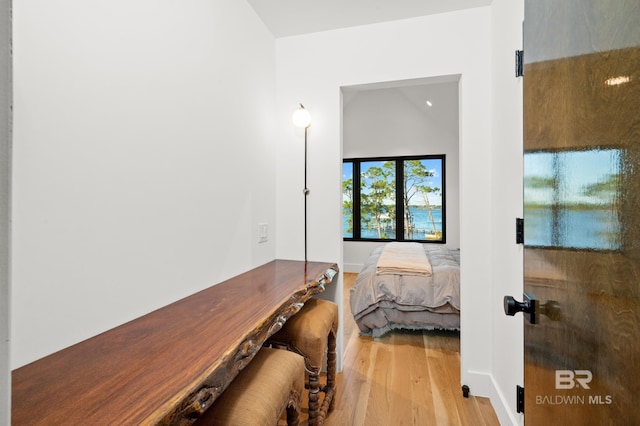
point(263, 232)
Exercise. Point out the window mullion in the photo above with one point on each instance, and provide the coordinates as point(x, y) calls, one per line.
point(356, 201)
point(399, 200)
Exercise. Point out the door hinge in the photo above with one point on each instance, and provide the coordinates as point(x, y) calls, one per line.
point(520, 399)
point(519, 230)
point(519, 63)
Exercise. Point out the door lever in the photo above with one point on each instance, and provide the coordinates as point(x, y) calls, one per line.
point(529, 307)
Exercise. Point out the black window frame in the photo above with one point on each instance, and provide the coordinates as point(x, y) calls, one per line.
point(399, 192)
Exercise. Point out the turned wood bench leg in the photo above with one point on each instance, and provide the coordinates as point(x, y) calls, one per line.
point(317, 413)
point(331, 372)
point(314, 397)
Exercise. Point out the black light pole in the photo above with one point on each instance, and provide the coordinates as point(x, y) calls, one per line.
point(306, 193)
point(301, 118)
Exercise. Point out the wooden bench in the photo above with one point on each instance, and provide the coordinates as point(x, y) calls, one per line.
point(312, 333)
point(271, 383)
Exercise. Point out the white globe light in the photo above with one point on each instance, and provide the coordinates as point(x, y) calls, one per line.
point(301, 117)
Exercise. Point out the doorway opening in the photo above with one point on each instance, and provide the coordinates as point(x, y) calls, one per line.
point(414, 120)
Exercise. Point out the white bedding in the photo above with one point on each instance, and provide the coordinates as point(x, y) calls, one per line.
point(403, 259)
point(384, 302)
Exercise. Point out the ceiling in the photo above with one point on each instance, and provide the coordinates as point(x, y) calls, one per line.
point(294, 17)
point(441, 92)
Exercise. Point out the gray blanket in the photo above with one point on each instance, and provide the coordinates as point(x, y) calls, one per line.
point(380, 303)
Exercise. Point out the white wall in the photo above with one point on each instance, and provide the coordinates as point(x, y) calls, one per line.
point(390, 122)
point(379, 122)
point(311, 69)
point(507, 205)
point(5, 191)
point(144, 159)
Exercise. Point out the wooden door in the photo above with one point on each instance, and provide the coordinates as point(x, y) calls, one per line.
point(582, 211)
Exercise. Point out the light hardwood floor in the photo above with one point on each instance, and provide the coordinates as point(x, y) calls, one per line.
point(403, 378)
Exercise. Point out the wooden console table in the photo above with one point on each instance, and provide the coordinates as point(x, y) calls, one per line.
point(170, 365)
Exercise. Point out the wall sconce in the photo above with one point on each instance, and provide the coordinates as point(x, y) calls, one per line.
point(301, 118)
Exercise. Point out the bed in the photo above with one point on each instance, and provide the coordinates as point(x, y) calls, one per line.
point(401, 296)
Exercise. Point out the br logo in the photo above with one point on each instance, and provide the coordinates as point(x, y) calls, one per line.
point(569, 379)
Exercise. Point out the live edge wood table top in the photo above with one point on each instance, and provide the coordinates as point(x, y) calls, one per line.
point(170, 365)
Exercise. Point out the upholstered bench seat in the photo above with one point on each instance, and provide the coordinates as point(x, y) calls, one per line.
point(311, 333)
point(272, 382)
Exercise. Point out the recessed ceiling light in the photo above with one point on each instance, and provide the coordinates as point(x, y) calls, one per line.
point(429, 104)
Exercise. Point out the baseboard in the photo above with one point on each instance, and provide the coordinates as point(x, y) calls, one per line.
point(352, 267)
point(483, 385)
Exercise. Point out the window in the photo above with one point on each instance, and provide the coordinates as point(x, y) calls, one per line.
point(394, 199)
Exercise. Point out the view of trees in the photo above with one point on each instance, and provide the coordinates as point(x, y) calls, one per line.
point(416, 179)
point(377, 197)
point(347, 205)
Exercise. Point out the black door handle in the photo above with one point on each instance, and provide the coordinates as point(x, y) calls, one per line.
point(529, 307)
